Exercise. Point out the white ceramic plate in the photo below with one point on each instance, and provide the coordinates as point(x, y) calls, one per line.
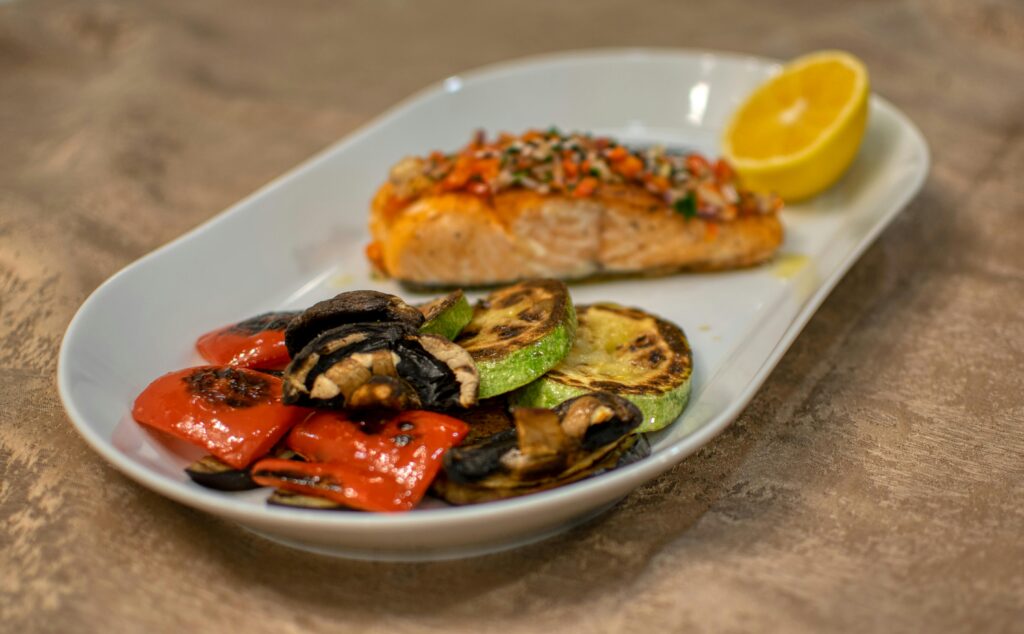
point(301, 238)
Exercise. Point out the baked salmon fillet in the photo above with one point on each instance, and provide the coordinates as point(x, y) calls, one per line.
point(547, 204)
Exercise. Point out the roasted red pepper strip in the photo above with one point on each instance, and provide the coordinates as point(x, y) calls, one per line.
point(234, 413)
point(373, 466)
point(254, 343)
point(350, 485)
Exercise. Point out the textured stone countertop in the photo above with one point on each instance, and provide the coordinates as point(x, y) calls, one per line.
point(875, 483)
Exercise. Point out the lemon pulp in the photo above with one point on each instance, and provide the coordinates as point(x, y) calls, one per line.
point(799, 131)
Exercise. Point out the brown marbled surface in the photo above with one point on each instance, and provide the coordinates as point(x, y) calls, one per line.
point(876, 482)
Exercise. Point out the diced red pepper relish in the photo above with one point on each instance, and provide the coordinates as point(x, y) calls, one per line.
point(579, 165)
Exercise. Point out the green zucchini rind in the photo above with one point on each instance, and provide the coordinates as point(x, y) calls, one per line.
point(625, 351)
point(518, 333)
point(446, 316)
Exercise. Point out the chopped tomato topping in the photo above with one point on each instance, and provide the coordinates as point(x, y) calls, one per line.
point(697, 164)
point(586, 187)
point(629, 166)
point(551, 162)
point(233, 413)
point(570, 168)
point(723, 171)
point(618, 153)
point(659, 183)
point(460, 173)
point(470, 170)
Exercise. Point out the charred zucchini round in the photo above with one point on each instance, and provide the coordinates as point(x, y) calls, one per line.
point(625, 351)
point(446, 316)
point(518, 333)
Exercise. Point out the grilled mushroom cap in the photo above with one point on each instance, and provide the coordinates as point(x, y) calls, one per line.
point(583, 436)
point(384, 365)
point(348, 308)
point(542, 445)
point(598, 418)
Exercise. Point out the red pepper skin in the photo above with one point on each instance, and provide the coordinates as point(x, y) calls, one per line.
point(373, 466)
point(233, 413)
point(723, 172)
point(350, 485)
point(254, 343)
point(586, 187)
point(697, 164)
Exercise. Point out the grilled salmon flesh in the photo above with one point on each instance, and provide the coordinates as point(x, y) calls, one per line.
point(545, 204)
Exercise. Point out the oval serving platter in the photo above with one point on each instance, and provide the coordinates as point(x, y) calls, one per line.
point(308, 230)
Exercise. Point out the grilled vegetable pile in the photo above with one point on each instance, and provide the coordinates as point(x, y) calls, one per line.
point(365, 402)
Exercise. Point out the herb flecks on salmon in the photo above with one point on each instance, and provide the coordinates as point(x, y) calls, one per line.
point(579, 165)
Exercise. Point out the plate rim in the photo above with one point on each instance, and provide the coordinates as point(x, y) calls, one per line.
point(642, 471)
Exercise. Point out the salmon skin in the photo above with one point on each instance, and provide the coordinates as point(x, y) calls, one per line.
point(545, 204)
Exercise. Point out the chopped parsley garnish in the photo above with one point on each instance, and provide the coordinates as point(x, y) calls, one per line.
point(687, 205)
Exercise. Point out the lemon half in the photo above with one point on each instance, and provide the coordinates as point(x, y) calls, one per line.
point(800, 130)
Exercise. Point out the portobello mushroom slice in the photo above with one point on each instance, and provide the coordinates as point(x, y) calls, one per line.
point(384, 365)
point(211, 473)
point(486, 419)
point(446, 316)
point(518, 333)
point(348, 308)
point(625, 351)
point(585, 436)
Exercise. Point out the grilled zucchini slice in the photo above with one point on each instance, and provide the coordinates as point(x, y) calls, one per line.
point(625, 351)
point(518, 333)
point(446, 316)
